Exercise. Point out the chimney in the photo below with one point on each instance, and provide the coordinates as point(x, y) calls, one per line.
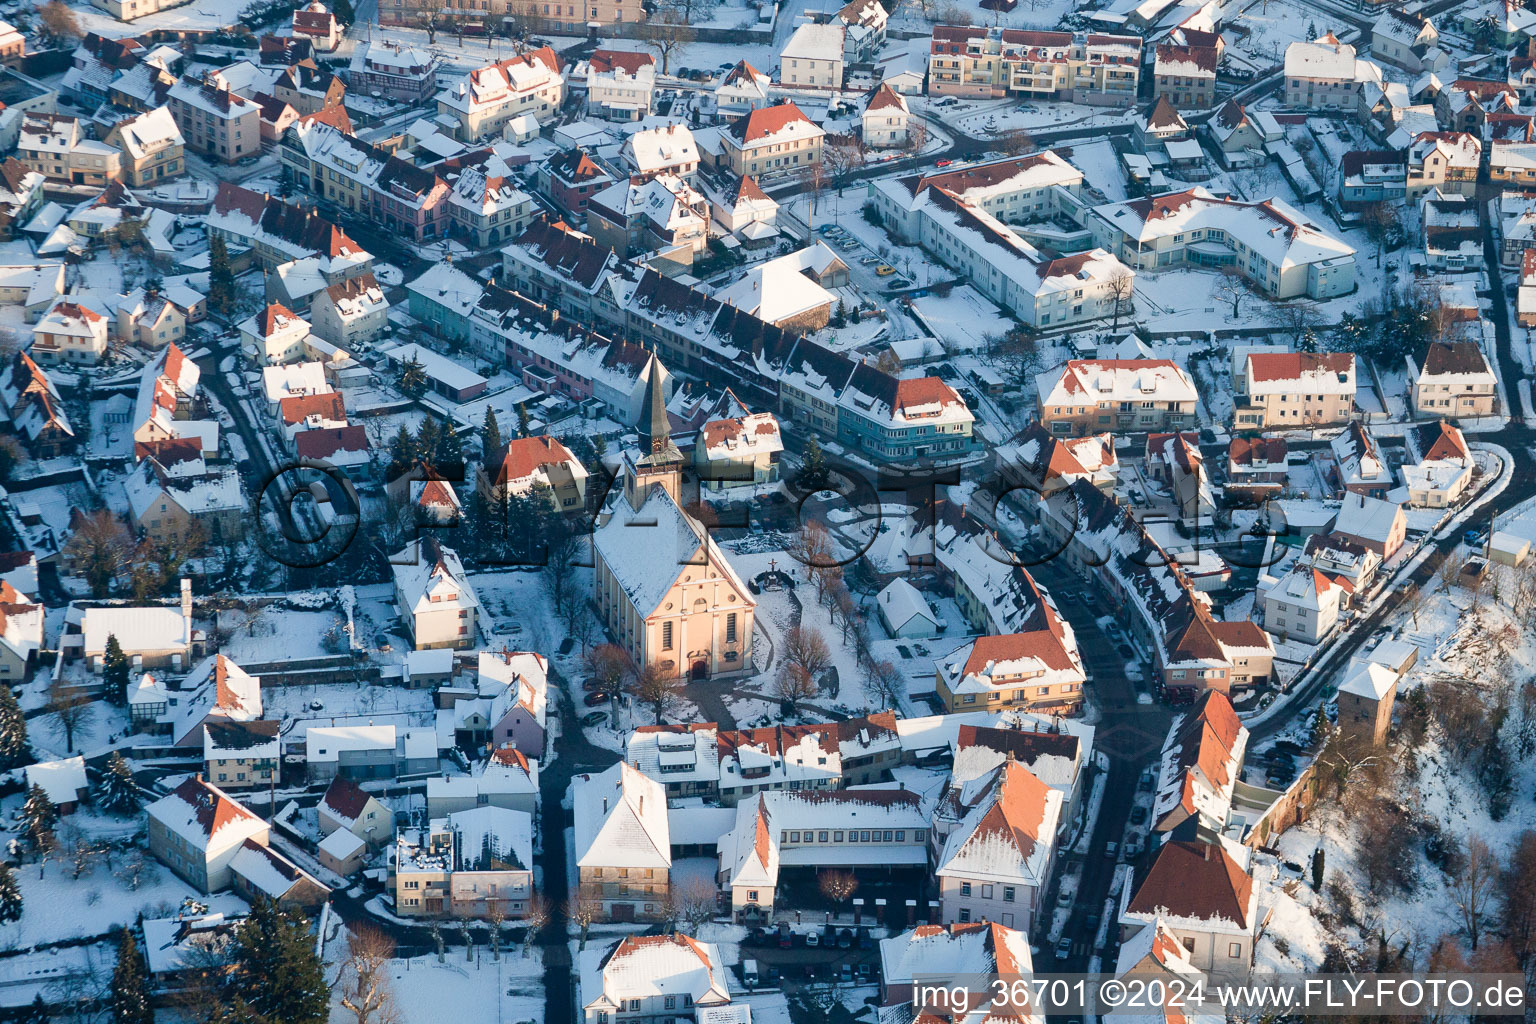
point(605, 805)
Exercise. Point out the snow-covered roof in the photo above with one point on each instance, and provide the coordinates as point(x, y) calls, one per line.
point(900, 602)
point(647, 967)
point(430, 577)
point(974, 949)
point(1367, 517)
point(1322, 60)
point(63, 781)
point(815, 42)
point(1008, 832)
point(621, 820)
point(1368, 680)
point(1096, 381)
point(207, 818)
point(153, 628)
point(658, 149)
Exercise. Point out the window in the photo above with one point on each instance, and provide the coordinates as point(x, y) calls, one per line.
point(965, 888)
point(1008, 893)
point(752, 895)
point(666, 636)
point(837, 837)
point(1234, 949)
point(730, 628)
point(965, 914)
point(669, 1003)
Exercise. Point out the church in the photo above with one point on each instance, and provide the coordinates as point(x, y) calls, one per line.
point(663, 586)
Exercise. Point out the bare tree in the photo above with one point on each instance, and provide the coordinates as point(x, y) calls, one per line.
point(70, 709)
point(1517, 900)
point(583, 907)
point(58, 21)
point(535, 919)
point(693, 902)
point(101, 550)
point(884, 682)
point(657, 691)
point(1474, 886)
point(792, 685)
point(1016, 143)
point(1294, 319)
point(364, 982)
point(1232, 288)
point(666, 33)
point(1382, 222)
point(608, 665)
point(806, 649)
point(1121, 288)
point(843, 156)
point(917, 136)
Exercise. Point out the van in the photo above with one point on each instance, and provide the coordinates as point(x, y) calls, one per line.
point(749, 973)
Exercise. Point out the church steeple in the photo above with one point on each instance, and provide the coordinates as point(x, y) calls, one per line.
point(656, 444)
point(659, 462)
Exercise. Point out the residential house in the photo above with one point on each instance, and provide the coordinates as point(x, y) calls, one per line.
point(196, 830)
point(1512, 164)
point(622, 838)
point(1200, 766)
point(392, 71)
point(1204, 893)
point(476, 863)
point(258, 870)
point(1445, 162)
point(666, 150)
point(1367, 177)
point(655, 978)
point(1241, 137)
point(886, 118)
point(347, 807)
point(1361, 467)
point(976, 949)
point(1439, 466)
point(434, 596)
point(57, 147)
point(1295, 389)
point(242, 755)
point(996, 863)
point(1305, 604)
point(1374, 523)
point(813, 57)
point(215, 121)
point(21, 195)
point(664, 214)
point(34, 408)
point(742, 90)
point(1406, 40)
point(1452, 238)
point(620, 84)
point(1455, 381)
point(178, 500)
point(571, 178)
point(62, 781)
point(1186, 74)
point(70, 332)
point(317, 23)
point(533, 466)
point(487, 99)
point(350, 311)
point(772, 140)
point(738, 451)
point(149, 318)
point(1324, 74)
point(275, 335)
point(1085, 395)
point(1038, 668)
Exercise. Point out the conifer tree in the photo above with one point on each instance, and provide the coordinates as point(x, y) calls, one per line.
point(130, 987)
point(115, 669)
point(413, 377)
point(522, 419)
point(450, 449)
point(490, 434)
point(117, 793)
point(39, 817)
point(813, 464)
point(10, 895)
point(14, 750)
point(221, 277)
point(277, 975)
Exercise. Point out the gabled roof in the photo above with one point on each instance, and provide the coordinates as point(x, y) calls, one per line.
point(1008, 832)
point(1194, 881)
point(621, 820)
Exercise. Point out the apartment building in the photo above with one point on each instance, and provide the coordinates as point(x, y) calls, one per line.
point(1276, 247)
point(214, 121)
point(620, 84)
point(533, 467)
point(277, 233)
point(476, 863)
point(1088, 395)
point(58, 148)
point(773, 140)
point(1406, 40)
point(642, 216)
point(979, 62)
point(1305, 604)
point(1295, 389)
point(572, 179)
point(1037, 669)
point(152, 147)
point(483, 101)
point(1185, 74)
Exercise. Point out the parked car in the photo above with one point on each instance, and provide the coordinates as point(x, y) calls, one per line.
point(865, 940)
point(1138, 816)
point(845, 973)
point(885, 270)
point(595, 718)
point(591, 685)
point(845, 939)
point(786, 937)
point(1126, 652)
point(1064, 897)
point(942, 163)
point(1111, 850)
point(1063, 948)
point(592, 700)
point(812, 940)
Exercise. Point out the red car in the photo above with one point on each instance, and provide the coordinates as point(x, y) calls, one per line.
point(942, 163)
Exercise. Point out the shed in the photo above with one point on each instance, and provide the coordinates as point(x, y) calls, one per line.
point(342, 852)
point(1507, 548)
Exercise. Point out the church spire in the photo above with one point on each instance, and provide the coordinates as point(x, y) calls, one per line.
point(656, 444)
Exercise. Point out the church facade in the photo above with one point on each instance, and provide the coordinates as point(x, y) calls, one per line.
point(663, 587)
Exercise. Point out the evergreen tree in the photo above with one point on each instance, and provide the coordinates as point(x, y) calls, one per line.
point(599, 449)
point(813, 464)
point(10, 895)
point(413, 377)
point(14, 750)
point(345, 14)
point(522, 419)
point(276, 972)
point(114, 671)
point(490, 434)
point(221, 277)
point(450, 449)
point(1320, 726)
point(401, 448)
point(117, 792)
point(39, 817)
point(130, 987)
point(1309, 341)
point(424, 448)
point(1317, 870)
